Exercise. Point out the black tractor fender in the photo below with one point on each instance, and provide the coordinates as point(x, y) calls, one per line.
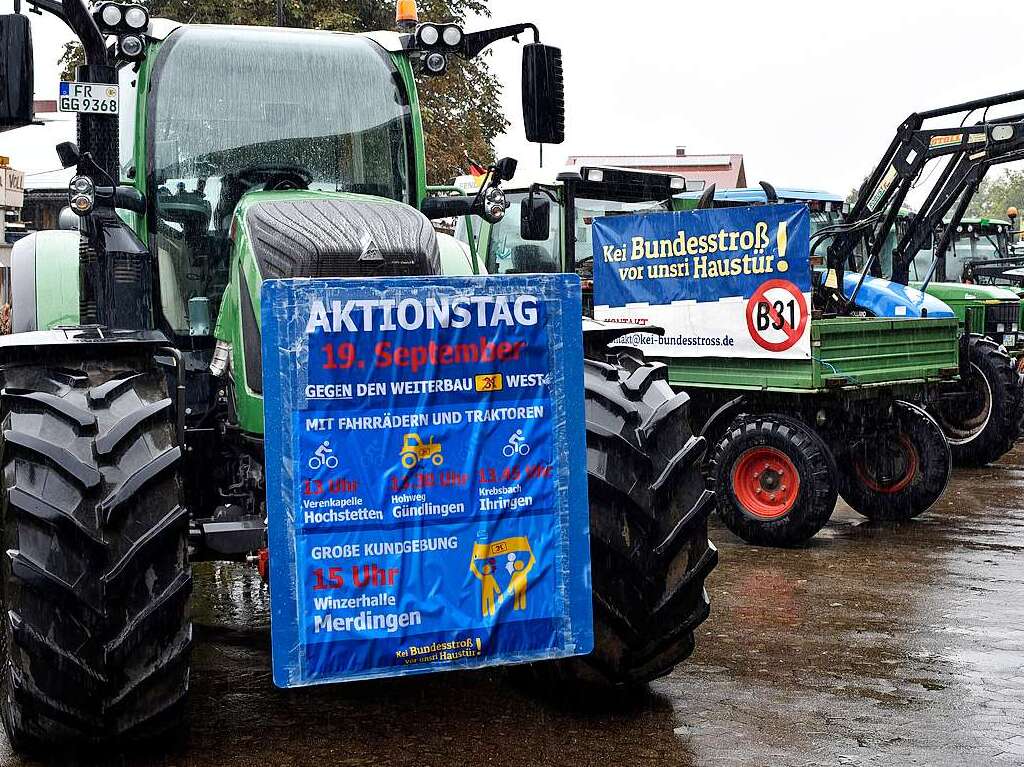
point(720, 419)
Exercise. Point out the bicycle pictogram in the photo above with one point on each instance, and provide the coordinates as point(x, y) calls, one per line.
point(323, 456)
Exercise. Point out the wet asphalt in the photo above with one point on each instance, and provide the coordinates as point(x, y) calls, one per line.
point(870, 646)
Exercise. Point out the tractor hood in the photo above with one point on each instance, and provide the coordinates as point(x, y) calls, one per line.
point(958, 292)
point(885, 298)
point(297, 233)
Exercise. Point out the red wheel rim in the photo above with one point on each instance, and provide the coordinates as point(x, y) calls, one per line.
point(912, 463)
point(765, 482)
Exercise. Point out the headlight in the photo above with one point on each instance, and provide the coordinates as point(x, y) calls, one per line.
point(136, 17)
point(131, 46)
point(111, 15)
point(496, 203)
point(435, 63)
point(1000, 328)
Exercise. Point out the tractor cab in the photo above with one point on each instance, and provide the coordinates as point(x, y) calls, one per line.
point(549, 222)
point(968, 275)
point(299, 151)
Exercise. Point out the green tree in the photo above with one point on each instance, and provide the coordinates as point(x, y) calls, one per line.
point(461, 110)
point(998, 193)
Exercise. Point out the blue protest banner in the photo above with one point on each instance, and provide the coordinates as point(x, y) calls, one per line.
point(426, 474)
point(730, 282)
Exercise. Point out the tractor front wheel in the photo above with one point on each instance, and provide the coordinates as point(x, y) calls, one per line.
point(774, 478)
point(983, 423)
point(649, 541)
point(901, 475)
point(94, 580)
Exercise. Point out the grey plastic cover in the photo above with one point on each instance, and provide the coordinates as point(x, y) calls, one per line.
point(341, 237)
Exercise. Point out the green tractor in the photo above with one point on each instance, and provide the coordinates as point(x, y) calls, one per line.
point(211, 158)
point(849, 423)
point(981, 253)
point(982, 419)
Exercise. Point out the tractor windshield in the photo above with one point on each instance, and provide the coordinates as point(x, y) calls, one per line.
point(589, 209)
point(509, 253)
point(236, 110)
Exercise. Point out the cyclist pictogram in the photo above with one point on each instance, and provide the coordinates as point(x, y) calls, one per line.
point(323, 456)
point(516, 444)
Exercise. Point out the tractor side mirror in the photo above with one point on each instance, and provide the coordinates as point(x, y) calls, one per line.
point(68, 154)
point(543, 94)
point(505, 169)
point(534, 219)
point(16, 76)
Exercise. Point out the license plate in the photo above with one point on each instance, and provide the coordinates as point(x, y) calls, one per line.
point(1009, 341)
point(88, 98)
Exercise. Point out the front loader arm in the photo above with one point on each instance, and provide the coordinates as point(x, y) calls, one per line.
point(884, 192)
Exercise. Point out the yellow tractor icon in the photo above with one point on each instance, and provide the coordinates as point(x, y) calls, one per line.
point(414, 450)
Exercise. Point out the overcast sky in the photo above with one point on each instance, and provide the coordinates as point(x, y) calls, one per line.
point(810, 93)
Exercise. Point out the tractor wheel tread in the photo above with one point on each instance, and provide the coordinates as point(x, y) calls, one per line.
point(817, 494)
point(35, 576)
point(86, 473)
point(59, 405)
point(649, 548)
point(126, 492)
point(167, 601)
point(45, 649)
point(102, 394)
point(97, 643)
point(108, 442)
point(39, 509)
point(168, 526)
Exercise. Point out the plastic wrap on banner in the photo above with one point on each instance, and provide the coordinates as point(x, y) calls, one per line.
point(426, 474)
point(728, 282)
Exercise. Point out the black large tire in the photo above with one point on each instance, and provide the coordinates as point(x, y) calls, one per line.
point(900, 479)
point(983, 426)
point(753, 469)
point(649, 541)
point(95, 583)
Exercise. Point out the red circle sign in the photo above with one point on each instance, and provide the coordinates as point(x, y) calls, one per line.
point(774, 321)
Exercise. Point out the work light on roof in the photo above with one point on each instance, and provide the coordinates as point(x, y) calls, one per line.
point(678, 183)
point(136, 17)
point(111, 15)
point(427, 35)
point(452, 36)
